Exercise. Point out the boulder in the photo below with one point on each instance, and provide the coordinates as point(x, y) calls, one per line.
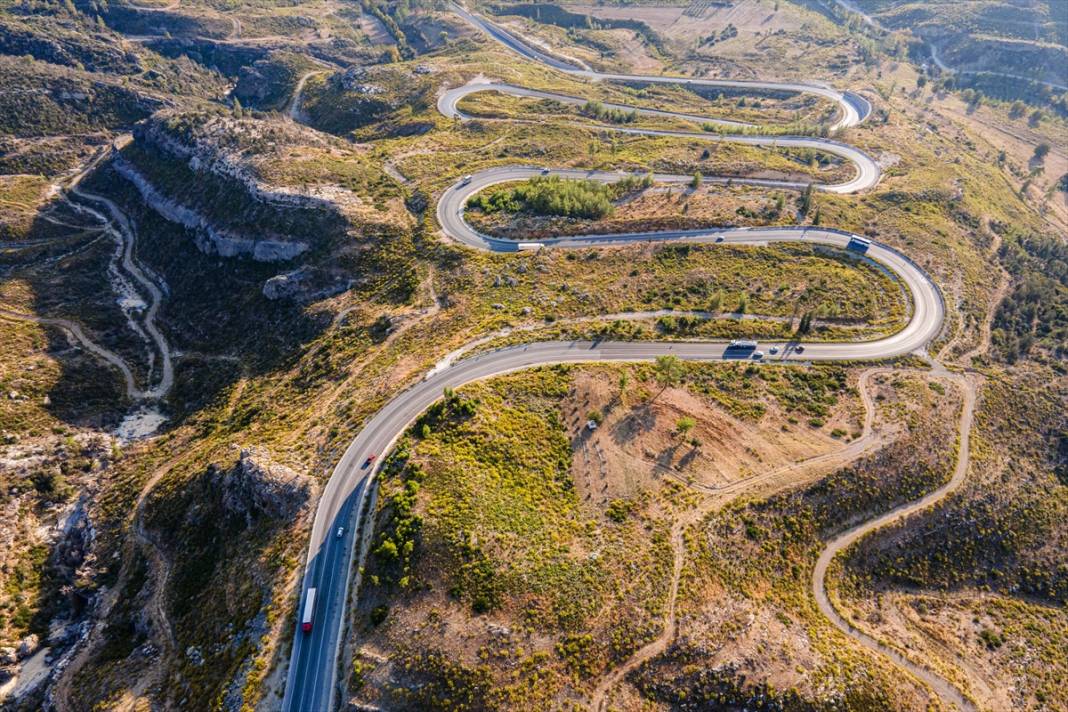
point(27, 646)
point(286, 285)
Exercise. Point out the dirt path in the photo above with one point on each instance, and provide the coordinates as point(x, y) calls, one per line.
point(76, 331)
point(390, 164)
point(647, 652)
point(60, 693)
point(868, 441)
point(986, 329)
point(119, 226)
point(906, 619)
point(356, 369)
point(798, 472)
point(126, 237)
point(949, 694)
point(293, 107)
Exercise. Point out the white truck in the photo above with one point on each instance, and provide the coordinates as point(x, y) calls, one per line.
point(308, 615)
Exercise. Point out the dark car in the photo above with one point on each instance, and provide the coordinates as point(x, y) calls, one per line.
point(367, 462)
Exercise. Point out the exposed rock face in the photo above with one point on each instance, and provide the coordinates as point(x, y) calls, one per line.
point(258, 485)
point(8, 656)
point(286, 285)
point(28, 646)
point(203, 152)
point(208, 238)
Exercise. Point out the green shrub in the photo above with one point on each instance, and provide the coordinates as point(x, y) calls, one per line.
point(550, 195)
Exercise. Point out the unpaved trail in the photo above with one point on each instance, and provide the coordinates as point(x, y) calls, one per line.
point(119, 226)
point(650, 650)
point(982, 346)
point(126, 236)
point(293, 107)
point(905, 618)
point(797, 472)
point(986, 329)
point(868, 441)
point(948, 693)
point(59, 695)
point(389, 166)
point(75, 330)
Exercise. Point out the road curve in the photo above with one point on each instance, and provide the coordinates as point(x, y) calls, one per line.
point(867, 170)
point(944, 689)
point(312, 675)
point(853, 108)
point(313, 680)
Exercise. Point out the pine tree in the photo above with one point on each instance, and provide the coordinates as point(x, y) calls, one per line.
point(806, 200)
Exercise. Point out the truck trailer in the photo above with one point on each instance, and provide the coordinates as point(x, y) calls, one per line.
point(309, 611)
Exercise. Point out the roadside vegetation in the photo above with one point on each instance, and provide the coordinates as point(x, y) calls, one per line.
point(524, 548)
point(502, 538)
point(557, 196)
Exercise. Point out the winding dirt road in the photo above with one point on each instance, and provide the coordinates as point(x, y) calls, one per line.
point(943, 688)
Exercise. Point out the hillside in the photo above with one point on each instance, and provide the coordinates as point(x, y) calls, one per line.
point(229, 251)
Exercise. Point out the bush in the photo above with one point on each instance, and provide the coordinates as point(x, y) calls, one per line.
point(379, 614)
point(619, 509)
point(600, 112)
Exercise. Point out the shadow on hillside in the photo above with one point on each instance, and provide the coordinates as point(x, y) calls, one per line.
point(58, 272)
point(219, 325)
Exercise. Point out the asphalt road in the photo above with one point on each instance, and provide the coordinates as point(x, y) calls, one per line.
point(313, 678)
point(867, 170)
point(853, 108)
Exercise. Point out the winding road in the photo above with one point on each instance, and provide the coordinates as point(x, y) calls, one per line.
point(843, 541)
point(313, 680)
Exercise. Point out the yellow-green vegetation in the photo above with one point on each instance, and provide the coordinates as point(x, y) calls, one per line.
point(269, 83)
point(577, 146)
point(542, 589)
point(343, 102)
point(20, 198)
point(479, 528)
point(783, 281)
point(1001, 533)
point(479, 521)
point(748, 573)
point(553, 195)
point(497, 105)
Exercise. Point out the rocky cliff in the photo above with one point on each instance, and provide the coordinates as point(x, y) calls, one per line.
point(209, 238)
point(257, 485)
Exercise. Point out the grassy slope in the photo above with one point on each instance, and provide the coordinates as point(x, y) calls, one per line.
point(307, 408)
point(491, 580)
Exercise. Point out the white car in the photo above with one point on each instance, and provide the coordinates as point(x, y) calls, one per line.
point(758, 355)
point(773, 350)
point(545, 171)
point(466, 180)
point(340, 532)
